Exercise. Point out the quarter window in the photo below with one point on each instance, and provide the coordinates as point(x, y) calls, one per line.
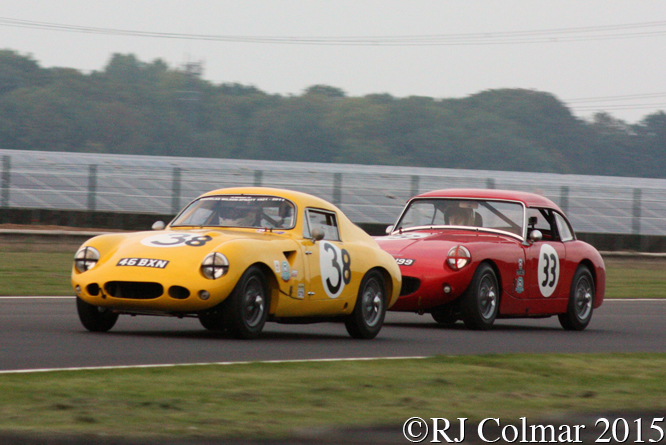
point(566, 234)
point(326, 221)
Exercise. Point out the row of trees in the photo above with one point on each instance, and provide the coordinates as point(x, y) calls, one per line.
point(148, 108)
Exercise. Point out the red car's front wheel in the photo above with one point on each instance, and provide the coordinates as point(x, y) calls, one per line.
point(480, 302)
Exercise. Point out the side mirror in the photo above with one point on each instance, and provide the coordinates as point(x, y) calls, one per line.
point(317, 234)
point(389, 229)
point(536, 235)
point(158, 225)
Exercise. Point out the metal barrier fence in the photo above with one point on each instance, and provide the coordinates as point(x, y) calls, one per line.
point(367, 194)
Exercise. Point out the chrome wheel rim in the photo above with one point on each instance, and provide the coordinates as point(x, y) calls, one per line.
point(583, 299)
point(487, 298)
point(254, 302)
point(373, 303)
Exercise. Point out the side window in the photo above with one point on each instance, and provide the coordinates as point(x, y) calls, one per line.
point(326, 221)
point(566, 234)
point(536, 220)
point(542, 220)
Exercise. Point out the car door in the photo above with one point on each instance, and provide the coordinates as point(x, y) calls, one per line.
point(328, 262)
point(544, 258)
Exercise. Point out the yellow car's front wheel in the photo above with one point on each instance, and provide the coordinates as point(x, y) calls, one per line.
point(95, 319)
point(213, 319)
point(247, 306)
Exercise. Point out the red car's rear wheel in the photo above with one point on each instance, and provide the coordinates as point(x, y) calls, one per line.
point(581, 298)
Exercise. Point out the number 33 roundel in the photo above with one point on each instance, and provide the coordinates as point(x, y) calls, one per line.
point(549, 270)
point(335, 266)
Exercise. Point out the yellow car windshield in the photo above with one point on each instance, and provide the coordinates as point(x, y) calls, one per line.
point(271, 212)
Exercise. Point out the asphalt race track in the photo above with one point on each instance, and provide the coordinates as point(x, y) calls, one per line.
point(45, 333)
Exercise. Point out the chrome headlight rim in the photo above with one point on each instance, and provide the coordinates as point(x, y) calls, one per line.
point(458, 257)
point(214, 266)
point(86, 258)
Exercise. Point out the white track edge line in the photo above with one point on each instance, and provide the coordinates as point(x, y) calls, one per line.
point(174, 365)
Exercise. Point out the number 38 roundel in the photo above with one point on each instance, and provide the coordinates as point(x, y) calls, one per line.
point(335, 267)
point(549, 270)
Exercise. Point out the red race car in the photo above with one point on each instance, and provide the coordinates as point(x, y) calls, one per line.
point(476, 255)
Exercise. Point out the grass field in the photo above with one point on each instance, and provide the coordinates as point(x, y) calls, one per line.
point(271, 400)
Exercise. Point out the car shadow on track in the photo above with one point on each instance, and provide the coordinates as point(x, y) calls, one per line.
point(461, 327)
point(209, 335)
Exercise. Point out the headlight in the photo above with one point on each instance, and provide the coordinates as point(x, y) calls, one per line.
point(214, 266)
point(86, 258)
point(458, 257)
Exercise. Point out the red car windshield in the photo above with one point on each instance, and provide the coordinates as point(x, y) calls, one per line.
point(506, 216)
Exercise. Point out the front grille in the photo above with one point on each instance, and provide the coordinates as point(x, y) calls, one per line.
point(409, 285)
point(134, 290)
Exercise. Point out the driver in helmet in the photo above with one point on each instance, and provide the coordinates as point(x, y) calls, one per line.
point(238, 215)
point(460, 216)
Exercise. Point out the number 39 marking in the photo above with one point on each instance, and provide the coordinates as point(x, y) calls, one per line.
point(335, 267)
point(549, 270)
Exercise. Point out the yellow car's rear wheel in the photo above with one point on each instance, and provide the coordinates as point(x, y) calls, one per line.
point(367, 319)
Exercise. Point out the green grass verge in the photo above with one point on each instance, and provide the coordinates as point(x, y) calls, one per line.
point(33, 271)
point(268, 400)
point(626, 278)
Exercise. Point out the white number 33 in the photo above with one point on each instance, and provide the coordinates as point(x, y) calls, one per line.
point(549, 270)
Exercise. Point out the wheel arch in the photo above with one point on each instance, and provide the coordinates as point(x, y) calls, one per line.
point(479, 308)
point(493, 265)
point(271, 282)
point(388, 281)
point(590, 267)
point(597, 281)
point(498, 276)
point(392, 291)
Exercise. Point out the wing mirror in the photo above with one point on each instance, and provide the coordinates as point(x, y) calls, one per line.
point(317, 234)
point(158, 225)
point(536, 235)
point(389, 229)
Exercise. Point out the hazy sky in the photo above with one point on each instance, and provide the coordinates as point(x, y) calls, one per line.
point(607, 52)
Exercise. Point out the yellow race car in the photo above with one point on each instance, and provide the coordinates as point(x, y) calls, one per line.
point(236, 258)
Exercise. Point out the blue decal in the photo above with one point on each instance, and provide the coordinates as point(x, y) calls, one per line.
point(520, 285)
point(286, 272)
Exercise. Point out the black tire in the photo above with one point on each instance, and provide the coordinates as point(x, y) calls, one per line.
point(444, 316)
point(247, 306)
point(94, 318)
point(480, 303)
point(367, 318)
point(581, 301)
point(213, 320)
